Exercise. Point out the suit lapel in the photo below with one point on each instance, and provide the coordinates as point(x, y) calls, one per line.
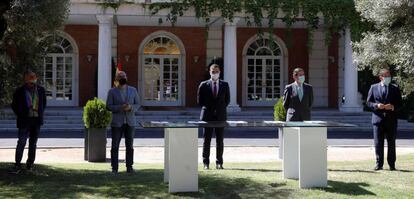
point(210, 88)
point(220, 89)
point(119, 96)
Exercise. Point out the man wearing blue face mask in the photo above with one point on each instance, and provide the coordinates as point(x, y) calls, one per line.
point(213, 96)
point(298, 98)
point(384, 99)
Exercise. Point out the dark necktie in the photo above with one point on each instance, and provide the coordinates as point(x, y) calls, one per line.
point(215, 89)
point(384, 92)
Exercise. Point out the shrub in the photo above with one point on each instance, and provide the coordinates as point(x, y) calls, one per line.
point(279, 111)
point(96, 115)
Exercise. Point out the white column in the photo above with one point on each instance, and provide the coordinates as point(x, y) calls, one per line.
point(104, 55)
point(230, 62)
point(352, 102)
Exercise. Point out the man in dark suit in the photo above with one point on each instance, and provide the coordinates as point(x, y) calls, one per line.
point(213, 96)
point(29, 103)
point(298, 98)
point(384, 99)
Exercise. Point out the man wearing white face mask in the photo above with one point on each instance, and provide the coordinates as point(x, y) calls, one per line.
point(298, 98)
point(384, 99)
point(213, 96)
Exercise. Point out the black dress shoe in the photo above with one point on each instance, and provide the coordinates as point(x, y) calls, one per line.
point(219, 166)
point(29, 167)
point(377, 168)
point(130, 170)
point(206, 167)
point(392, 168)
point(114, 171)
point(15, 170)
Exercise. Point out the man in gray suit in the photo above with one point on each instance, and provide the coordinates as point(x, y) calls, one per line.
point(298, 98)
point(123, 101)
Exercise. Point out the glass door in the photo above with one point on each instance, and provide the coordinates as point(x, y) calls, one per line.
point(57, 78)
point(263, 81)
point(161, 77)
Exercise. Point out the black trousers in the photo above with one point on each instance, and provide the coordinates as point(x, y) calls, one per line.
point(208, 133)
point(388, 130)
point(117, 132)
point(31, 130)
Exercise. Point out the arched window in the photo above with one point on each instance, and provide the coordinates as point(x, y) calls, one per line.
point(263, 72)
point(161, 71)
point(59, 71)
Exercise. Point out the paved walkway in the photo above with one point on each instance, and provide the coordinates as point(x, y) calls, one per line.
point(231, 154)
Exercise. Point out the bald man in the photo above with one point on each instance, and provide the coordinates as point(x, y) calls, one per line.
point(123, 101)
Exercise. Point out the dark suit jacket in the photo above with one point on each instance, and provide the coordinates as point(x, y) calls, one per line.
point(213, 108)
point(297, 110)
point(393, 97)
point(21, 109)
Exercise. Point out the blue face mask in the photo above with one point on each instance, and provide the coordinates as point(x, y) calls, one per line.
point(386, 81)
point(301, 79)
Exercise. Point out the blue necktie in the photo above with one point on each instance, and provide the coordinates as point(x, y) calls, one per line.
point(300, 93)
point(384, 92)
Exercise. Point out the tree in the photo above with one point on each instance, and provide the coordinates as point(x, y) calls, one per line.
point(23, 26)
point(391, 41)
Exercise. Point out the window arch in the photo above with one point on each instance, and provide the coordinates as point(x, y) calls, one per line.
point(162, 70)
point(264, 63)
point(60, 70)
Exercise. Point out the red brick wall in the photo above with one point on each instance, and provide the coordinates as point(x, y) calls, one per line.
point(296, 46)
point(86, 37)
point(333, 72)
point(194, 40)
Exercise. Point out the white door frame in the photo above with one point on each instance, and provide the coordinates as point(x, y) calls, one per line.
point(283, 68)
point(75, 72)
point(182, 69)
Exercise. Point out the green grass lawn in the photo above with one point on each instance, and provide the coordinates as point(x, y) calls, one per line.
point(238, 180)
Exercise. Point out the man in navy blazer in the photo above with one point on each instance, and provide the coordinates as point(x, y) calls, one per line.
point(384, 99)
point(298, 98)
point(29, 103)
point(123, 101)
point(213, 96)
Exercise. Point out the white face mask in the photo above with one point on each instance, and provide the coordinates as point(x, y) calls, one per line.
point(214, 76)
point(386, 80)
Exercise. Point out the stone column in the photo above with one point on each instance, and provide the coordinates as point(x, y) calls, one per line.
point(352, 102)
point(230, 61)
point(104, 55)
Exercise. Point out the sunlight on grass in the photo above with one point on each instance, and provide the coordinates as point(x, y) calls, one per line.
point(238, 180)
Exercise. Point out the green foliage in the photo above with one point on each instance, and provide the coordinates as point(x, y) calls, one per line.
point(22, 45)
point(337, 14)
point(279, 111)
point(96, 114)
point(114, 4)
point(390, 43)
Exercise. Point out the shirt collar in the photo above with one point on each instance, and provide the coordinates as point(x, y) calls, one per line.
point(214, 81)
point(296, 84)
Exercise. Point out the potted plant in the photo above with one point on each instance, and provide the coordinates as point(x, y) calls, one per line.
point(279, 111)
point(96, 118)
point(279, 114)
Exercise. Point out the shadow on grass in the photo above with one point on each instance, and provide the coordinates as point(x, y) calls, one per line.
point(352, 170)
point(54, 182)
point(259, 170)
point(404, 171)
point(348, 188)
